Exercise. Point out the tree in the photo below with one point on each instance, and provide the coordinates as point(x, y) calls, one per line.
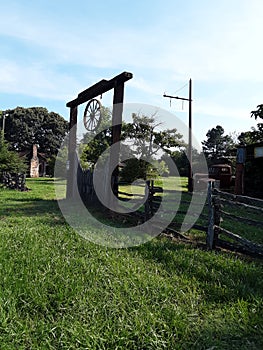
point(181, 161)
point(258, 113)
point(140, 139)
point(27, 126)
point(253, 136)
point(9, 160)
point(148, 141)
point(217, 147)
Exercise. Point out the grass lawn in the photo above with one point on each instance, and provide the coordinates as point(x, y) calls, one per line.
point(59, 291)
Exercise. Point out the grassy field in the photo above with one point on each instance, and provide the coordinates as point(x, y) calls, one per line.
point(59, 291)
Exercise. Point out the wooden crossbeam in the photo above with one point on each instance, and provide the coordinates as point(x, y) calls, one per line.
point(99, 88)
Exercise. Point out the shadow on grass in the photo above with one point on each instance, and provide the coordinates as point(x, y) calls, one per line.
point(223, 277)
point(45, 180)
point(46, 210)
point(230, 289)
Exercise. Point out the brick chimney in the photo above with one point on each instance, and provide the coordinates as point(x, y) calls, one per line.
point(34, 151)
point(34, 165)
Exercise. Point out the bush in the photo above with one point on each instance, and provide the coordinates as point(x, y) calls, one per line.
point(9, 160)
point(135, 169)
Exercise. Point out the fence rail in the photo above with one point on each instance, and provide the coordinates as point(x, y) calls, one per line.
point(235, 209)
point(221, 207)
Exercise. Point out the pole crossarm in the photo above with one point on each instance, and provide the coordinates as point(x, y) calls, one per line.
point(189, 99)
point(177, 98)
point(99, 88)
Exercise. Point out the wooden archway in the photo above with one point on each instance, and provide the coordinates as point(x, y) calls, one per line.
point(116, 83)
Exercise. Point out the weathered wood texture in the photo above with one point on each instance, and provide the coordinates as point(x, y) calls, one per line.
point(254, 202)
point(245, 243)
point(210, 230)
point(99, 88)
point(250, 205)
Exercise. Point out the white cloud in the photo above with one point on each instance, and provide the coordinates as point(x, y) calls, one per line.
point(35, 80)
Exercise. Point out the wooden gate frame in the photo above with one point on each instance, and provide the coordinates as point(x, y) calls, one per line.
point(116, 83)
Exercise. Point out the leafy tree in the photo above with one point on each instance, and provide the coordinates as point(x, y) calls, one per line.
point(148, 141)
point(181, 161)
point(27, 126)
point(141, 139)
point(253, 136)
point(10, 160)
point(161, 168)
point(258, 113)
point(217, 147)
point(134, 169)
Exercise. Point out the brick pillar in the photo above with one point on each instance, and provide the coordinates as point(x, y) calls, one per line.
point(34, 164)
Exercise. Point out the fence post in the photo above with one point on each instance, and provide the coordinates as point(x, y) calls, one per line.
point(217, 217)
point(147, 202)
point(210, 230)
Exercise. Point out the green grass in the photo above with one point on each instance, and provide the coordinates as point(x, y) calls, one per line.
point(59, 291)
point(171, 182)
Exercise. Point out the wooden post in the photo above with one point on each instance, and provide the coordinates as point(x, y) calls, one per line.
point(72, 166)
point(210, 230)
point(151, 196)
point(116, 132)
point(240, 168)
point(147, 202)
point(190, 171)
point(217, 218)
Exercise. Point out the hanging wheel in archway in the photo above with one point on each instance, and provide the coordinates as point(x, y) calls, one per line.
point(92, 115)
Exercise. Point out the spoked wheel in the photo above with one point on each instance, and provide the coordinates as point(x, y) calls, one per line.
point(92, 115)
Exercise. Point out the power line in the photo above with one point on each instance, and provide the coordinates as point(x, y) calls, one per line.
point(181, 88)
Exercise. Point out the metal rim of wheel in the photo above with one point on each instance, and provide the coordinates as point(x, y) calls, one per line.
point(92, 115)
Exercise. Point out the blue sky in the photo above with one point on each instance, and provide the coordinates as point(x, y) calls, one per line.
point(53, 49)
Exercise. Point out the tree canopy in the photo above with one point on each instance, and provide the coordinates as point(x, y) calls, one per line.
point(253, 136)
point(27, 126)
point(9, 160)
point(147, 139)
point(141, 138)
point(258, 113)
point(218, 146)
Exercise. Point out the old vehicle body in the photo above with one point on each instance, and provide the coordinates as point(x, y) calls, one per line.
point(223, 173)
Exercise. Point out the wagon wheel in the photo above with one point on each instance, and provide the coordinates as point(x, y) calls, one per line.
point(92, 115)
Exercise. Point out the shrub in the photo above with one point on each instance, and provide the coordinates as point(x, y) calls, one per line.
point(9, 160)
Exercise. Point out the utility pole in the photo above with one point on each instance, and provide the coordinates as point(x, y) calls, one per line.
point(4, 115)
point(189, 99)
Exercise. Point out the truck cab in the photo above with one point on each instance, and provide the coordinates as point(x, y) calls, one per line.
point(223, 173)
